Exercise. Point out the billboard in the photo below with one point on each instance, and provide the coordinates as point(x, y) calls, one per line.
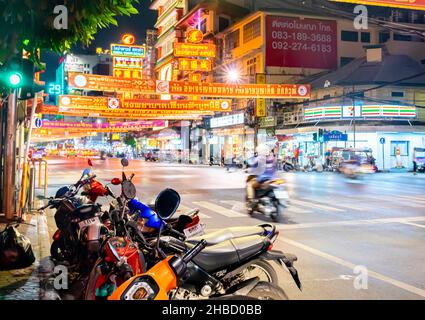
point(404, 4)
point(301, 43)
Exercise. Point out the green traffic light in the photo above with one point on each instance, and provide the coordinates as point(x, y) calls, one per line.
point(15, 79)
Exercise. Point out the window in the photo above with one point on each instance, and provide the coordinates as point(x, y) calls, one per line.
point(345, 60)
point(251, 66)
point(384, 37)
point(351, 36)
point(232, 40)
point(365, 37)
point(402, 145)
point(402, 37)
point(397, 94)
point(252, 30)
point(223, 23)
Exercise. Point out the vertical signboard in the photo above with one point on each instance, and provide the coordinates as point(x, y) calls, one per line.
point(301, 43)
point(260, 103)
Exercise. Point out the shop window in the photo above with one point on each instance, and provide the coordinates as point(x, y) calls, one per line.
point(402, 145)
point(384, 37)
point(350, 36)
point(252, 30)
point(232, 40)
point(365, 37)
point(397, 94)
point(345, 60)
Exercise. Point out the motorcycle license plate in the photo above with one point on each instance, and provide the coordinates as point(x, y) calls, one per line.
point(194, 230)
point(281, 194)
point(88, 222)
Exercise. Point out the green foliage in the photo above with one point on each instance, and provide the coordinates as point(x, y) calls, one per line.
point(28, 24)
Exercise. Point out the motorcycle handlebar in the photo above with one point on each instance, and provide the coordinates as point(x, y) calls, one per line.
point(192, 253)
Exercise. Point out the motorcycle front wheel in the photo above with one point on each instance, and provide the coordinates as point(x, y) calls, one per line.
point(58, 253)
point(267, 291)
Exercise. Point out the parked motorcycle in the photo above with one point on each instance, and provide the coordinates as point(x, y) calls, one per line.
point(271, 199)
point(171, 273)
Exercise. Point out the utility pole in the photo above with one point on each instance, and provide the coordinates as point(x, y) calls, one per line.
point(10, 157)
point(354, 118)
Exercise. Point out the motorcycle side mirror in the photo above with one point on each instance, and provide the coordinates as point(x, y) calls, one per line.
point(86, 172)
point(128, 189)
point(90, 163)
point(116, 181)
point(166, 203)
point(124, 162)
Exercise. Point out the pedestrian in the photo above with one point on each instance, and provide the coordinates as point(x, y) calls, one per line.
point(415, 167)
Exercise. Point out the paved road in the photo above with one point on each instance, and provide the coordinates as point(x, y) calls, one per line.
point(336, 228)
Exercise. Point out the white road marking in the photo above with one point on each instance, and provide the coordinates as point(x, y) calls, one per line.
point(310, 204)
point(183, 209)
point(405, 220)
point(351, 266)
point(219, 209)
point(413, 224)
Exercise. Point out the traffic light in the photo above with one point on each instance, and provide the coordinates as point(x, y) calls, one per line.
point(18, 73)
point(318, 136)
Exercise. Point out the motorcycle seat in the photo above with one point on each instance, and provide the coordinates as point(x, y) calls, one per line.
point(219, 236)
point(230, 252)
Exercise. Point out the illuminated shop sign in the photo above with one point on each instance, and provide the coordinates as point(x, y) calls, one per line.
point(127, 50)
point(194, 65)
point(108, 83)
point(404, 4)
point(105, 126)
point(194, 36)
point(224, 90)
point(206, 50)
point(128, 73)
point(365, 111)
point(183, 88)
point(225, 121)
point(87, 103)
point(127, 62)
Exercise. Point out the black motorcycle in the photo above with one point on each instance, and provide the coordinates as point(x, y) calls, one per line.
point(234, 260)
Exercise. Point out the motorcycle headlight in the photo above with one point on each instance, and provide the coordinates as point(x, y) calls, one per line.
point(142, 288)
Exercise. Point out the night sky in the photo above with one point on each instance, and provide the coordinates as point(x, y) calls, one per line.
point(135, 24)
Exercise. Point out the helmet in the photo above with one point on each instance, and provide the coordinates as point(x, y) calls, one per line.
point(61, 192)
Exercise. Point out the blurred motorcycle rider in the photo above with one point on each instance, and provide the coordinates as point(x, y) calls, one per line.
point(262, 167)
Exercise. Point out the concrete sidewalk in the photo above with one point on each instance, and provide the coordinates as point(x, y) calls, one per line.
point(24, 284)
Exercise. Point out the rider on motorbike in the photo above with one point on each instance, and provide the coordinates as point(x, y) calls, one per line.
point(262, 168)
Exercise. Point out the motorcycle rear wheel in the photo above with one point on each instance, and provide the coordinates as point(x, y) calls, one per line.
point(267, 291)
point(262, 269)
